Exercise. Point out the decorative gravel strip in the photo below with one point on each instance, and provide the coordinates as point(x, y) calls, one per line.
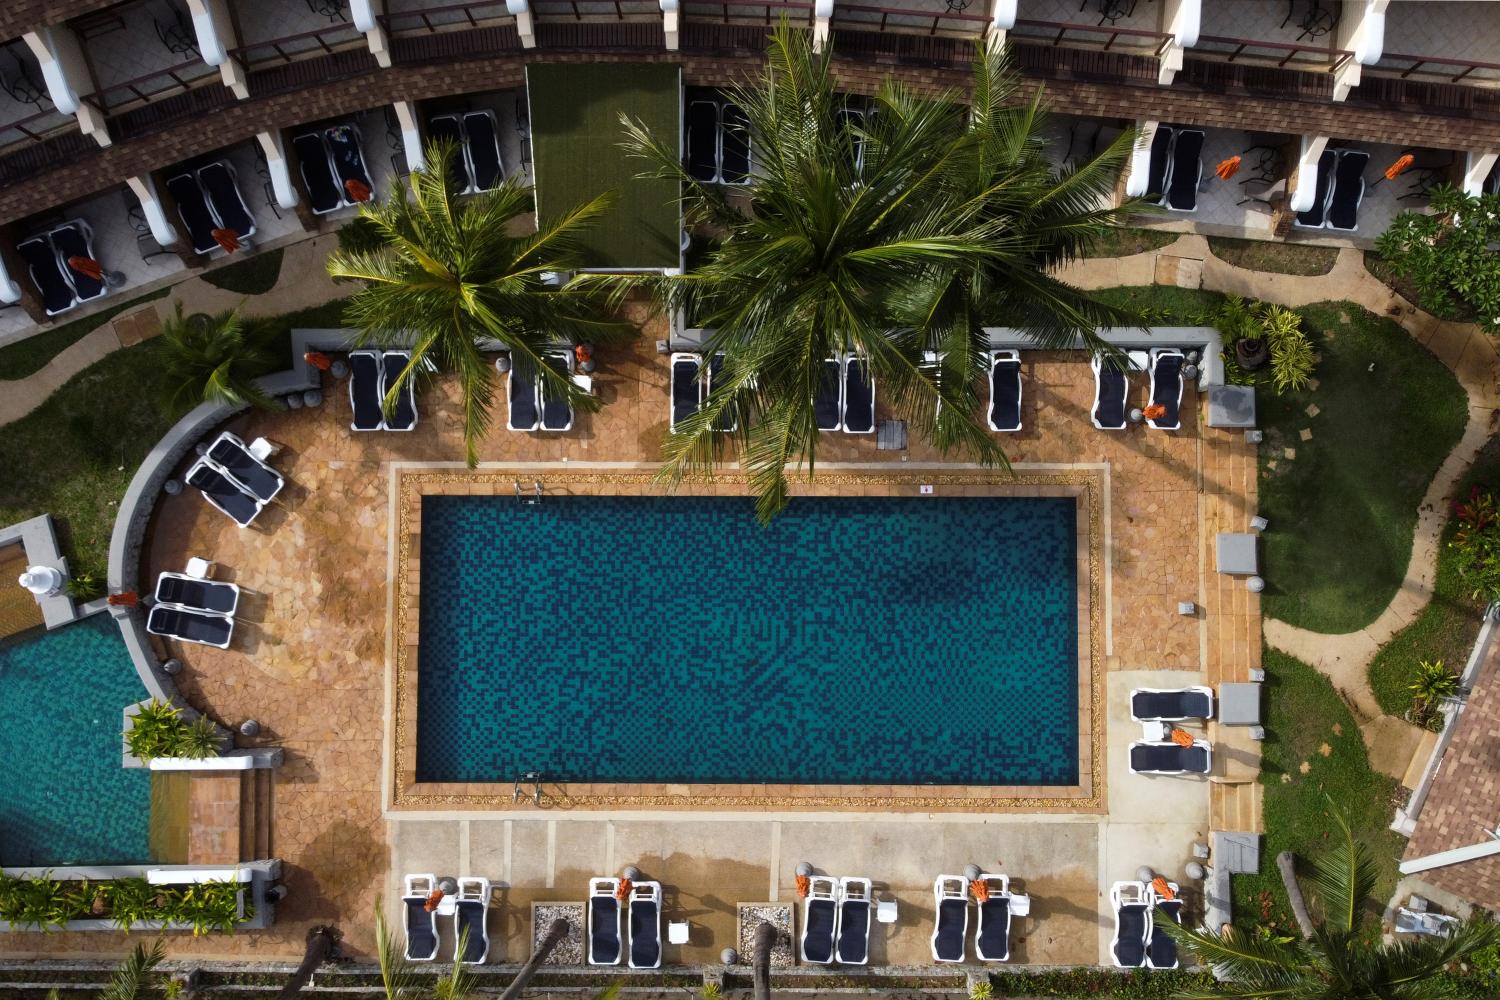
point(780, 916)
point(570, 950)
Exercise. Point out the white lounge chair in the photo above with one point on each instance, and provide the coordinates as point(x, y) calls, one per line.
point(856, 900)
point(223, 493)
point(1132, 906)
point(645, 925)
point(950, 928)
point(859, 396)
point(234, 458)
point(1171, 704)
point(1166, 387)
point(1348, 190)
point(189, 625)
point(604, 922)
point(1111, 395)
point(421, 923)
point(820, 917)
point(404, 415)
point(1166, 757)
point(1187, 171)
point(556, 410)
point(1161, 947)
point(1005, 391)
point(471, 921)
point(992, 938)
point(687, 387)
point(828, 401)
point(727, 421)
point(197, 594)
point(365, 391)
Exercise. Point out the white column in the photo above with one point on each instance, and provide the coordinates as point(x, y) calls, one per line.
point(367, 19)
point(822, 17)
point(10, 292)
point(1139, 168)
point(1307, 172)
point(1180, 20)
point(669, 22)
point(1477, 167)
point(1002, 19)
point(281, 173)
point(1361, 30)
point(66, 73)
point(216, 36)
point(411, 135)
point(144, 188)
point(522, 11)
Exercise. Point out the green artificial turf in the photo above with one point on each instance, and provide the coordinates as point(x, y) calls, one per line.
point(1305, 715)
point(576, 136)
point(29, 356)
point(255, 275)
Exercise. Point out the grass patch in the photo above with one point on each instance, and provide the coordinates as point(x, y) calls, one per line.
point(29, 356)
point(1282, 258)
point(1304, 714)
point(276, 331)
point(1124, 241)
point(255, 275)
point(1161, 304)
point(1342, 511)
point(1377, 265)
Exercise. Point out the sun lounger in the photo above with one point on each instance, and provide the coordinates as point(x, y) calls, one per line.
point(47, 274)
point(1005, 391)
point(201, 627)
point(421, 923)
point(703, 140)
point(446, 128)
point(1171, 704)
point(221, 185)
point(1111, 388)
point(828, 404)
point(404, 415)
point(820, 918)
point(485, 164)
point(1159, 164)
point(324, 192)
point(365, 392)
point(1167, 757)
point(645, 925)
point(347, 160)
point(1348, 190)
point(1132, 908)
point(734, 145)
point(1166, 387)
point(1410, 921)
point(855, 902)
point(192, 208)
point(557, 412)
point(1317, 213)
point(1161, 947)
point(859, 396)
point(252, 475)
point(992, 938)
point(951, 926)
point(520, 391)
point(76, 239)
point(197, 594)
point(727, 421)
point(604, 922)
point(223, 493)
point(470, 921)
point(687, 387)
point(1187, 170)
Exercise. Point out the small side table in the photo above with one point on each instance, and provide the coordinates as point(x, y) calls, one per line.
point(885, 911)
point(678, 931)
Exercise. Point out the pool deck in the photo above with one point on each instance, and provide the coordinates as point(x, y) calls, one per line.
point(313, 663)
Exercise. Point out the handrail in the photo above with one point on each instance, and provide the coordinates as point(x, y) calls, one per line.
point(885, 13)
point(747, 8)
point(277, 43)
point(540, 7)
point(1291, 48)
point(467, 9)
point(1097, 29)
point(20, 124)
point(105, 103)
point(1469, 65)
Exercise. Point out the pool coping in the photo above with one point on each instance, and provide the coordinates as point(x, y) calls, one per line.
point(410, 482)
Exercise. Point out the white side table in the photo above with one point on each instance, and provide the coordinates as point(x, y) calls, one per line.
point(885, 911)
point(678, 931)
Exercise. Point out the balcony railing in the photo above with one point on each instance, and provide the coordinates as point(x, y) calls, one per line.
point(448, 17)
point(766, 14)
point(1092, 36)
point(1437, 68)
point(32, 129)
point(1309, 58)
point(154, 85)
point(304, 45)
point(858, 17)
point(595, 10)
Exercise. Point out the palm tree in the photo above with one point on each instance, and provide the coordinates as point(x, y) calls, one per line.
point(450, 272)
point(132, 980)
point(1332, 960)
point(212, 358)
point(891, 238)
point(401, 982)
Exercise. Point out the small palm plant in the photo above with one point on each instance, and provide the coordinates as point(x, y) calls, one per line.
point(1432, 684)
point(213, 359)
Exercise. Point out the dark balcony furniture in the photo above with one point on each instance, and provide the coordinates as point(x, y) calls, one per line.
point(263, 172)
point(1111, 10)
point(483, 142)
point(317, 173)
point(145, 242)
point(76, 239)
point(20, 85)
point(334, 10)
point(1316, 215)
point(47, 274)
point(176, 33)
point(446, 129)
point(220, 184)
point(192, 208)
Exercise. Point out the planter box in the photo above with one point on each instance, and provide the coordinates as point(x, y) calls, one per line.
point(255, 876)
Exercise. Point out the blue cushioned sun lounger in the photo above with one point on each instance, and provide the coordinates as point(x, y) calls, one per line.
point(854, 921)
point(645, 925)
point(347, 159)
point(820, 912)
point(859, 396)
point(828, 404)
point(249, 473)
point(521, 392)
point(734, 146)
point(220, 183)
point(1156, 170)
point(687, 387)
point(1169, 758)
point(324, 192)
point(421, 923)
point(1166, 387)
point(484, 150)
point(470, 921)
point(1317, 213)
point(192, 208)
point(196, 594)
point(727, 421)
point(445, 128)
point(992, 939)
point(1005, 391)
point(557, 412)
point(951, 928)
point(47, 275)
point(200, 627)
point(222, 492)
point(76, 239)
point(604, 922)
point(1161, 949)
point(1111, 385)
point(1132, 923)
point(1174, 705)
point(1187, 170)
point(1348, 190)
point(703, 140)
point(404, 415)
point(364, 391)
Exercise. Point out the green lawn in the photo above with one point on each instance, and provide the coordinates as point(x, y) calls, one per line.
point(1268, 255)
point(1123, 241)
point(1303, 716)
point(255, 275)
point(32, 354)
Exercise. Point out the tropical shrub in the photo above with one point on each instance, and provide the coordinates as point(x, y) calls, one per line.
point(45, 902)
point(159, 730)
point(1292, 358)
point(1476, 542)
point(213, 359)
point(1432, 684)
point(1446, 255)
point(84, 587)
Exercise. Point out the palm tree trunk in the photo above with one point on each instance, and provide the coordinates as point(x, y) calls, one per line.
point(555, 935)
point(321, 942)
point(1287, 864)
point(760, 962)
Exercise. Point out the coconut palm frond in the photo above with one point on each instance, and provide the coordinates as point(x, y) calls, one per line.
point(1343, 877)
point(132, 980)
point(397, 977)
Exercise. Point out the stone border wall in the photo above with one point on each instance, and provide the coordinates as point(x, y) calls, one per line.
point(39, 540)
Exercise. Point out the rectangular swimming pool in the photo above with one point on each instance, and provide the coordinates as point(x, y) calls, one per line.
point(869, 641)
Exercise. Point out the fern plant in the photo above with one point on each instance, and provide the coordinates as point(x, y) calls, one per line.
point(159, 730)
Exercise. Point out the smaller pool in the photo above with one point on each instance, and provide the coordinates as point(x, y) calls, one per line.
point(64, 798)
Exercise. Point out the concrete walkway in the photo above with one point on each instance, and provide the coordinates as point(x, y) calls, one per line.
point(1462, 347)
point(303, 283)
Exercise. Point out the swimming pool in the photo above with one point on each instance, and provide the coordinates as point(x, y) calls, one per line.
point(870, 641)
point(64, 798)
